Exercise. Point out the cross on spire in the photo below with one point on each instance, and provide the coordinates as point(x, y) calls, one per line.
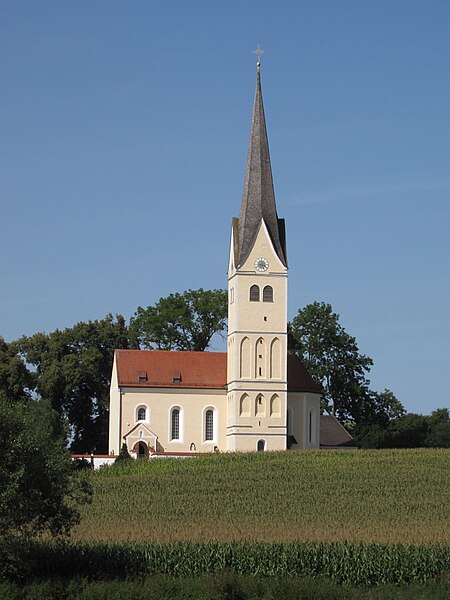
point(258, 53)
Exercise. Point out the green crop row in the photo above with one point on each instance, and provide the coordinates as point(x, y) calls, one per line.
point(343, 563)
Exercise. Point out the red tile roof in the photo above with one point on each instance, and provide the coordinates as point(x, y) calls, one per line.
point(171, 369)
point(206, 370)
point(299, 380)
point(333, 434)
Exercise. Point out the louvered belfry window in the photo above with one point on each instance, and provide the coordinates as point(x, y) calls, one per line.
point(254, 293)
point(268, 294)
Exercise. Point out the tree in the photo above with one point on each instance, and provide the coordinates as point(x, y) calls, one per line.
point(405, 430)
point(332, 358)
point(438, 429)
point(389, 405)
point(408, 431)
point(16, 381)
point(73, 372)
point(375, 412)
point(37, 490)
point(181, 321)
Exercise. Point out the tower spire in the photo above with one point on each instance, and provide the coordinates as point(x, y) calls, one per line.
point(258, 197)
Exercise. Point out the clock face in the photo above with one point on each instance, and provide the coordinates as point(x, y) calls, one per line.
point(261, 264)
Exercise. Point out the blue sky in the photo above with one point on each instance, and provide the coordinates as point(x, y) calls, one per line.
point(123, 139)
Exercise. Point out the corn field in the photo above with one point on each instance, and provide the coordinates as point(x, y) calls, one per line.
point(379, 496)
point(341, 562)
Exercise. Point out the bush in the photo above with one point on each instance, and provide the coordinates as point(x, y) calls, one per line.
point(38, 492)
point(81, 464)
point(124, 455)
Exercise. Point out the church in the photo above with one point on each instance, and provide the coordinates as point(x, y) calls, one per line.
point(253, 397)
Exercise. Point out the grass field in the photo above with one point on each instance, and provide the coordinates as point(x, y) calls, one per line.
point(216, 587)
point(388, 496)
point(224, 586)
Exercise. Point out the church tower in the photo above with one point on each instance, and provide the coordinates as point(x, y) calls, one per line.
point(257, 306)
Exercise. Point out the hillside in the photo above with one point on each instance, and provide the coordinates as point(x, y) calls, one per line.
point(364, 496)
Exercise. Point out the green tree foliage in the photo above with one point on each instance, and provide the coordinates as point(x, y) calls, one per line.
point(407, 431)
point(37, 490)
point(73, 372)
point(376, 419)
point(376, 411)
point(419, 431)
point(333, 359)
point(16, 381)
point(438, 429)
point(181, 321)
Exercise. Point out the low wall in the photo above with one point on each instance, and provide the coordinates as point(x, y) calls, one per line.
point(97, 460)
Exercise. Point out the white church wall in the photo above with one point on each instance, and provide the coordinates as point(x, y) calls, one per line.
point(115, 440)
point(192, 405)
point(304, 419)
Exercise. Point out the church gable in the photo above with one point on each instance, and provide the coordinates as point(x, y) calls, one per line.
point(263, 246)
point(140, 432)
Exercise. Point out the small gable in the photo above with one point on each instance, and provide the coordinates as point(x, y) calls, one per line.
point(139, 431)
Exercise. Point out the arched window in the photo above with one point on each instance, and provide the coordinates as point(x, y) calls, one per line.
point(275, 359)
point(245, 358)
point(260, 358)
point(268, 294)
point(254, 293)
point(275, 406)
point(311, 436)
point(244, 406)
point(260, 407)
point(261, 446)
point(141, 413)
point(209, 425)
point(175, 424)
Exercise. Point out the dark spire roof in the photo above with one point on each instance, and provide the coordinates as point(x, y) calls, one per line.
point(258, 198)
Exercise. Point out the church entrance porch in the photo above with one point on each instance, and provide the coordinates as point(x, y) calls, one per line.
point(141, 450)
